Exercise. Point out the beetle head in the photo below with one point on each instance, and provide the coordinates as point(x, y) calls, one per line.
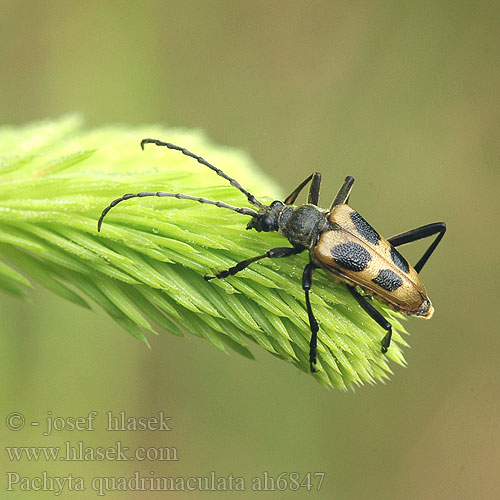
point(268, 218)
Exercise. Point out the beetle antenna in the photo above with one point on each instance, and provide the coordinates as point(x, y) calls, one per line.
point(251, 198)
point(180, 196)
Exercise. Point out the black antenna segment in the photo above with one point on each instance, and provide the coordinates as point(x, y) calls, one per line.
point(180, 196)
point(241, 210)
point(251, 198)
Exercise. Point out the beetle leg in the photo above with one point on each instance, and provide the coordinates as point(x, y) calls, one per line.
point(274, 253)
point(375, 315)
point(316, 177)
point(344, 192)
point(306, 285)
point(438, 228)
point(313, 196)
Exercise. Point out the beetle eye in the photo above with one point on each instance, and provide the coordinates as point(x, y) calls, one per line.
point(266, 223)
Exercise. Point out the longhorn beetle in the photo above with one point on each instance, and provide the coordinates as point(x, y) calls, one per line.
point(339, 241)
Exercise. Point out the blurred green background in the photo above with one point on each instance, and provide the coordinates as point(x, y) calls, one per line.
point(402, 95)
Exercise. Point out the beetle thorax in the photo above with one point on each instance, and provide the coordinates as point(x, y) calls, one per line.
point(302, 225)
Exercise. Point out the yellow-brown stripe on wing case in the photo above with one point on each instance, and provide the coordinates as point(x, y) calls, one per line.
point(354, 223)
point(357, 254)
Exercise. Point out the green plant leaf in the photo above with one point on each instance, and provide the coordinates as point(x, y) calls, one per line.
point(146, 266)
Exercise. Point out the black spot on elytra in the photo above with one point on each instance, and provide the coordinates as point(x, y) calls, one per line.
point(399, 260)
point(351, 256)
point(388, 280)
point(364, 229)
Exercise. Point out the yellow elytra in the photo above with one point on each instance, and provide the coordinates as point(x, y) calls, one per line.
point(373, 264)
